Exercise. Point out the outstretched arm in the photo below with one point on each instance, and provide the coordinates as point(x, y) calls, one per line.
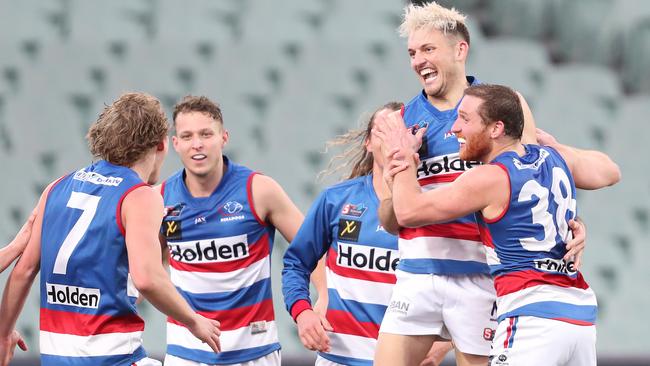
point(591, 169)
point(18, 285)
point(14, 249)
point(528, 136)
point(142, 212)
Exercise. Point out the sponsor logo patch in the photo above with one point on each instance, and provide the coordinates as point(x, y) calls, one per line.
point(210, 250)
point(353, 210)
point(172, 230)
point(349, 230)
point(367, 258)
point(175, 210)
point(96, 178)
point(72, 295)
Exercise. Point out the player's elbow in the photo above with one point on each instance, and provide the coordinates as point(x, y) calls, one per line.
point(407, 217)
point(25, 272)
point(614, 174)
point(144, 282)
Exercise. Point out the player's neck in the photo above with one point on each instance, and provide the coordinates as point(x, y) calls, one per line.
point(451, 97)
point(511, 145)
point(204, 185)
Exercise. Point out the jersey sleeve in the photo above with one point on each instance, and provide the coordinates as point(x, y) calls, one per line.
point(308, 246)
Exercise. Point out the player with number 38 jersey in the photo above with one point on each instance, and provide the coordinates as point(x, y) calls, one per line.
point(530, 275)
point(524, 198)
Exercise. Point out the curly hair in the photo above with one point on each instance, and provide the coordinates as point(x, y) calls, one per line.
point(127, 129)
point(355, 155)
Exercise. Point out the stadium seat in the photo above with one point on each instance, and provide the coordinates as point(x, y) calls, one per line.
point(518, 18)
point(516, 62)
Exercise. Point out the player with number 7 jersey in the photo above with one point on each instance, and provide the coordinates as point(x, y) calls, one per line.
point(95, 230)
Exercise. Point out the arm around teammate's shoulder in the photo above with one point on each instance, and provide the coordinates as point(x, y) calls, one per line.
point(591, 169)
point(483, 187)
point(142, 213)
point(528, 135)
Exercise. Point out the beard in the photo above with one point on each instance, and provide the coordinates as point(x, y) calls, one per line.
point(477, 147)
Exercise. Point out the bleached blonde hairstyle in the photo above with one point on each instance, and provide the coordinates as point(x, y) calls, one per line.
point(433, 16)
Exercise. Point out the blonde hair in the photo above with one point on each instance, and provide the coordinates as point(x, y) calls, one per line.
point(127, 129)
point(433, 16)
point(355, 156)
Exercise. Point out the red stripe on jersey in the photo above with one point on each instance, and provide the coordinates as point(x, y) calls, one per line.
point(508, 333)
point(118, 210)
point(258, 251)
point(517, 281)
point(486, 236)
point(359, 274)
point(452, 230)
point(65, 322)
point(251, 203)
point(441, 178)
point(237, 318)
point(574, 321)
point(343, 322)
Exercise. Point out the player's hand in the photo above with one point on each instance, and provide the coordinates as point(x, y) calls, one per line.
point(576, 246)
point(22, 238)
point(320, 308)
point(545, 138)
point(8, 345)
point(390, 129)
point(437, 353)
point(311, 332)
point(206, 330)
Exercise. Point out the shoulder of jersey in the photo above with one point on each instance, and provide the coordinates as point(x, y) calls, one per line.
point(345, 185)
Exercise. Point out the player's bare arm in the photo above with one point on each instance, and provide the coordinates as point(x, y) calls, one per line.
point(591, 169)
point(529, 134)
point(274, 206)
point(18, 284)
point(13, 250)
point(479, 189)
point(142, 213)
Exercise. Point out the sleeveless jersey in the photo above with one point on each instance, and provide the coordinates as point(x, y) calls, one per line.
point(361, 261)
point(220, 262)
point(526, 244)
point(88, 313)
point(453, 247)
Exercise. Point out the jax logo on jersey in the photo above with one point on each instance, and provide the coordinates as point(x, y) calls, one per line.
point(210, 250)
point(353, 210)
point(448, 134)
point(367, 258)
point(72, 295)
point(555, 266)
point(444, 164)
point(231, 211)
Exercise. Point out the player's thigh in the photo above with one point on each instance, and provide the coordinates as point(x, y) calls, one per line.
point(402, 350)
point(466, 359)
point(470, 314)
point(415, 307)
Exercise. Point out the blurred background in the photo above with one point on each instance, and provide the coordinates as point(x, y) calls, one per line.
point(291, 74)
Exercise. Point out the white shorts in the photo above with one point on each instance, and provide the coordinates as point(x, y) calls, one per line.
point(460, 308)
point(272, 359)
point(322, 361)
point(148, 362)
point(532, 341)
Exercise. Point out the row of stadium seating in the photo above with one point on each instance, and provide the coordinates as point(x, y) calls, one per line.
point(290, 79)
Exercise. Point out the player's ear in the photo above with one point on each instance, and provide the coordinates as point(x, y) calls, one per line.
point(497, 129)
point(226, 136)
